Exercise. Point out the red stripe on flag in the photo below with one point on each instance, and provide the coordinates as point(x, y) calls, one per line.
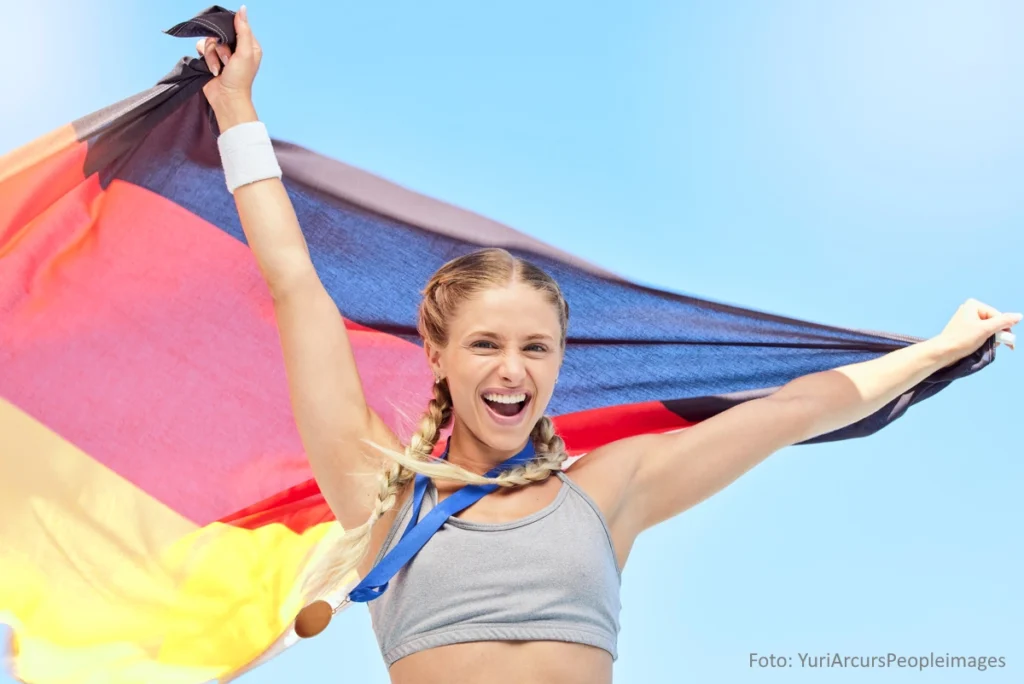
point(146, 336)
point(587, 430)
point(303, 506)
point(299, 508)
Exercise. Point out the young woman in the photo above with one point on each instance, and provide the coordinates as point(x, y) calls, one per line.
point(523, 584)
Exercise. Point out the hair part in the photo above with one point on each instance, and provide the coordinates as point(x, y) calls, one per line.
point(468, 275)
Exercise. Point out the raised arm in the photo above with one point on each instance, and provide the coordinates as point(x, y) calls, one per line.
point(655, 477)
point(327, 397)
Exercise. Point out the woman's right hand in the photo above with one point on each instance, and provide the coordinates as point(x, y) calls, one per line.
point(233, 73)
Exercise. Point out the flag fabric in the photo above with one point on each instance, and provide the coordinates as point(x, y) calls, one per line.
point(158, 519)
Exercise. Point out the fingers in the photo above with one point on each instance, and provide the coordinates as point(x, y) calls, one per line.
point(214, 53)
point(224, 52)
point(247, 50)
point(983, 310)
point(996, 319)
point(212, 60)
point(999, 323)
point(1007, 321)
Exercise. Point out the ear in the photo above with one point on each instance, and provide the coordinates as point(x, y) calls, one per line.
point(433, 358)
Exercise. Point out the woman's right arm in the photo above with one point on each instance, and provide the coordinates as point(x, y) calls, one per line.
point(328, 403)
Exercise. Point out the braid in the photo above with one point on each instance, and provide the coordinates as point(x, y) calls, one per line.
point(546, 441)
point(355, 543)
point(550, 455)
point(421, 445)
point(436, 417)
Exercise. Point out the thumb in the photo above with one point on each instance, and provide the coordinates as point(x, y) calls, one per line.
point(243, 34)
point(1005, 321)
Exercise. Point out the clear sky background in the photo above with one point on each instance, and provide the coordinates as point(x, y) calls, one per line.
point(851, 163)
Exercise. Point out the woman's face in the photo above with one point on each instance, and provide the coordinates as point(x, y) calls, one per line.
point(501, 363)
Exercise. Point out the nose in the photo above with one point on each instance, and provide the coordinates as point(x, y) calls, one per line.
point(513, 368)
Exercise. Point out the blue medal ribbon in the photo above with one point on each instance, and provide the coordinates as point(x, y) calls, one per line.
point(418, 533)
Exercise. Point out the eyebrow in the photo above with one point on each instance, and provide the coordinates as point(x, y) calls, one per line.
point(488, 333)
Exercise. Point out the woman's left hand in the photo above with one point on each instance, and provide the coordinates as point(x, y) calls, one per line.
point(972, 324)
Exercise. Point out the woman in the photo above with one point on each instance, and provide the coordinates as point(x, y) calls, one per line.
point(521, 585)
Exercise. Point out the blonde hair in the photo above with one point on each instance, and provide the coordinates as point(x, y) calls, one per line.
point(454, 283)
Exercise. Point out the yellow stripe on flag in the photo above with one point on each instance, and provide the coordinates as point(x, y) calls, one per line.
point(103, 583)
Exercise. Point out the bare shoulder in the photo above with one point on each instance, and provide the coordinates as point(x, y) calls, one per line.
point(606, 472)
point(605, 475)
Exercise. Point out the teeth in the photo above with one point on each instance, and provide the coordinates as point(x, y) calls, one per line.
point(505, 398)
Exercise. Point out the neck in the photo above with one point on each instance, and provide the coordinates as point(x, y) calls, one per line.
point(470, 453)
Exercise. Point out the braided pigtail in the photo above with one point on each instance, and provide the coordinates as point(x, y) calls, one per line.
point(354, 544)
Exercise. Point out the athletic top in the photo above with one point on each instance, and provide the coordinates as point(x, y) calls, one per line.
point(550, 576)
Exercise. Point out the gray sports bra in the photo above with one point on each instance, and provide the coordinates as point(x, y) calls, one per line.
point(551, 576)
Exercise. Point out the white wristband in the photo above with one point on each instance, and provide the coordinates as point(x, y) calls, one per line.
point(247, 155)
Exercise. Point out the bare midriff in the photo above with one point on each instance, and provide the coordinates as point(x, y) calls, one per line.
point(505, 662)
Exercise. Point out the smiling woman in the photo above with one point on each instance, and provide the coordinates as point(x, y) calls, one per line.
point(181, 507)
point(494, 331)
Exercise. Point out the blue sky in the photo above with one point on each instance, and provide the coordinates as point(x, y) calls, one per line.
point(852, 163)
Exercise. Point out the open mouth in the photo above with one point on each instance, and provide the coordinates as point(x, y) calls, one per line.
point(507, 406)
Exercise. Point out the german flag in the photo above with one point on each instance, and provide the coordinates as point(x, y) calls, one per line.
point(158, 520)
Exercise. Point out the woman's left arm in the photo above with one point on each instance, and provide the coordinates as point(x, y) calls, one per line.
point(665, 474)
